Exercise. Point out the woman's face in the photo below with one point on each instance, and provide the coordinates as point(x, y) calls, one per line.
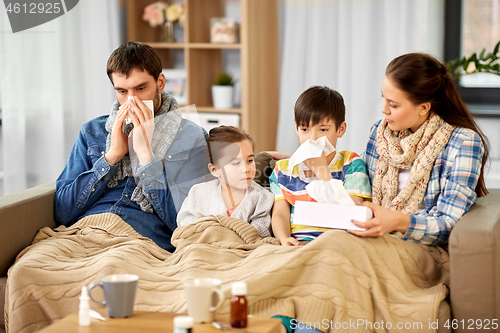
point(400, 112)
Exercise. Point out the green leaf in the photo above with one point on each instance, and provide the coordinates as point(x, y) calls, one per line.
point(465, 64)
point(497, 47)
point(481, 55)
point(223, 79)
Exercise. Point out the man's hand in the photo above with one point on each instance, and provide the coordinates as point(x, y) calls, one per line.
point(319, 167)
point(144, 127)
point(119, 141)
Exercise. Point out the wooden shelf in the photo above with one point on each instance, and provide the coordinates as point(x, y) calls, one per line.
point(168, 45)
point(208, 46)
point(214, 110)
point(258, 53)
point(214, 46)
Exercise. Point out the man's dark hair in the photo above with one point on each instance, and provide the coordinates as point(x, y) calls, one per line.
point(134, 55)
point(318, 103)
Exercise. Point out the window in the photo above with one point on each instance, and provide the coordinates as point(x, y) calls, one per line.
point(472, 25)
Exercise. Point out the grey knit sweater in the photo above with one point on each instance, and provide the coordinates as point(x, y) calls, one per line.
point(207, 198)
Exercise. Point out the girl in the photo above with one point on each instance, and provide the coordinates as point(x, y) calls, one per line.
point(233, 193)
point(426, 157)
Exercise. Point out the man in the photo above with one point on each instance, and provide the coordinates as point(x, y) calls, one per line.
point(146, 183)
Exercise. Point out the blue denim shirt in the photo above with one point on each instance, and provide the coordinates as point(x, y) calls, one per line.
point(81, 189)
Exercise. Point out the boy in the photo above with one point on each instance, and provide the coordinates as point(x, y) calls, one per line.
point(319, 111)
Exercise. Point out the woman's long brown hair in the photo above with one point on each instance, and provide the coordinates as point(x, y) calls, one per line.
point(425, 79)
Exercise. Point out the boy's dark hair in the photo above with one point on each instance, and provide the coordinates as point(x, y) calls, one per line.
point(134, 55)
point(224, 136)
point(318, 103)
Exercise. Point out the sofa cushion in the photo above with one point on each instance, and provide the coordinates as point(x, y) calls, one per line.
point(3, 283)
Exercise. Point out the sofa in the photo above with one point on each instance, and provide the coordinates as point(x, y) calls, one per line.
point(474, 250)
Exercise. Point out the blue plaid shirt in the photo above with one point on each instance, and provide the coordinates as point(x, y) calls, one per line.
point(450, 191)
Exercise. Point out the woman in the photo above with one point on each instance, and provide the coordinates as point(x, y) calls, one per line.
point(426, 157)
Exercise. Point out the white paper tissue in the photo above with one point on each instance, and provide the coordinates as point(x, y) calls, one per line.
point(332, 191)
point(310, 149)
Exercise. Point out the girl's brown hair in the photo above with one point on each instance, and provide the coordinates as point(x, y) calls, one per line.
point(219, 138)
point(425, 79)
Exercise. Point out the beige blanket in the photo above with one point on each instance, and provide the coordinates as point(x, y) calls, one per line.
point(333, 282)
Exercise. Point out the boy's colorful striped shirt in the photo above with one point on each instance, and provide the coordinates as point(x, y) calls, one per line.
point(290, 185)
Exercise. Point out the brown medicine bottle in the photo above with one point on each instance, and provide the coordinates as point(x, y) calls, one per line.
point(239, 306)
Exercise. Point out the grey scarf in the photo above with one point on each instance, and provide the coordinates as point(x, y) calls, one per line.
point(167, 121)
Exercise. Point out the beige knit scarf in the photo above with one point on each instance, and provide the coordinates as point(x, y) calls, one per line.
point(405, 150)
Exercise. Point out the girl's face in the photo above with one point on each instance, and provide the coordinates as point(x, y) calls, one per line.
point(400, 112)
point(240, 171)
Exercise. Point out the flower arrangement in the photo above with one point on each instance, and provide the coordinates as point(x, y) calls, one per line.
point(161, 14)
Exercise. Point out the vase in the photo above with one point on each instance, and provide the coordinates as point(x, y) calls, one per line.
point(168, 33)
point(222, 96)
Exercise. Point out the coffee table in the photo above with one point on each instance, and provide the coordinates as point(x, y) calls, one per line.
point(143, 321)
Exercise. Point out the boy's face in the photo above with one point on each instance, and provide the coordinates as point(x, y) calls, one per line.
point(140, 84)
point(326, 127)
point(240, 171)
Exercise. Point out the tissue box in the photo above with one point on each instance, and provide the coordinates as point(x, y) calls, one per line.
point(324, 215)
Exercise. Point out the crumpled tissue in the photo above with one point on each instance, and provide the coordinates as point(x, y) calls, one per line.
point(332, 191)
point(310, 149)
point(128, 126)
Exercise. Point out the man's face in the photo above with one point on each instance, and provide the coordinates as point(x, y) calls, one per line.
point(139, 84)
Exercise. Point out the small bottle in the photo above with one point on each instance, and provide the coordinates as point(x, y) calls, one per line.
point(183, 324)
point(239, 306)
point(83, 313)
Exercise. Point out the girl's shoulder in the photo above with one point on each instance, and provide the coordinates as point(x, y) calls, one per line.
point(205, 186)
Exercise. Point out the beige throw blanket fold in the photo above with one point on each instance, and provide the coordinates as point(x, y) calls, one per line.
point(337, 278)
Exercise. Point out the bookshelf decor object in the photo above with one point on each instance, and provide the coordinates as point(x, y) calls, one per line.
point(223, 30)
point(256, 47)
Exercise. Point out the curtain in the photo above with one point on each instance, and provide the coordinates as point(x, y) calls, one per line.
point(346, 45)
point(52, 80)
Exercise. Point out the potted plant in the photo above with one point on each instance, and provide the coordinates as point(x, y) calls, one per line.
point(222, 91)
point(482, 63)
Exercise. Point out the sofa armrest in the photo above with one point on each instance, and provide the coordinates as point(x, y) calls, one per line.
point(475, 262)
point(21, 216)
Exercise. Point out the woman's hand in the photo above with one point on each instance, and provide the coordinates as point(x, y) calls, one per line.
point(383, 222)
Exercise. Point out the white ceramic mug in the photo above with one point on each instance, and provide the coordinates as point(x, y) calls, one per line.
point(201, 297)
point(119, 294)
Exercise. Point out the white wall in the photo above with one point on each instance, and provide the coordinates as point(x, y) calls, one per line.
point(491, 128)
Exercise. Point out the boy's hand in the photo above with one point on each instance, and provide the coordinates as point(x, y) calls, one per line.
point(319, 167)
point(278, 156)
point(290, 241)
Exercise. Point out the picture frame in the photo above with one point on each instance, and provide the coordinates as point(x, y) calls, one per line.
point(224, 30)
point(175, 84)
